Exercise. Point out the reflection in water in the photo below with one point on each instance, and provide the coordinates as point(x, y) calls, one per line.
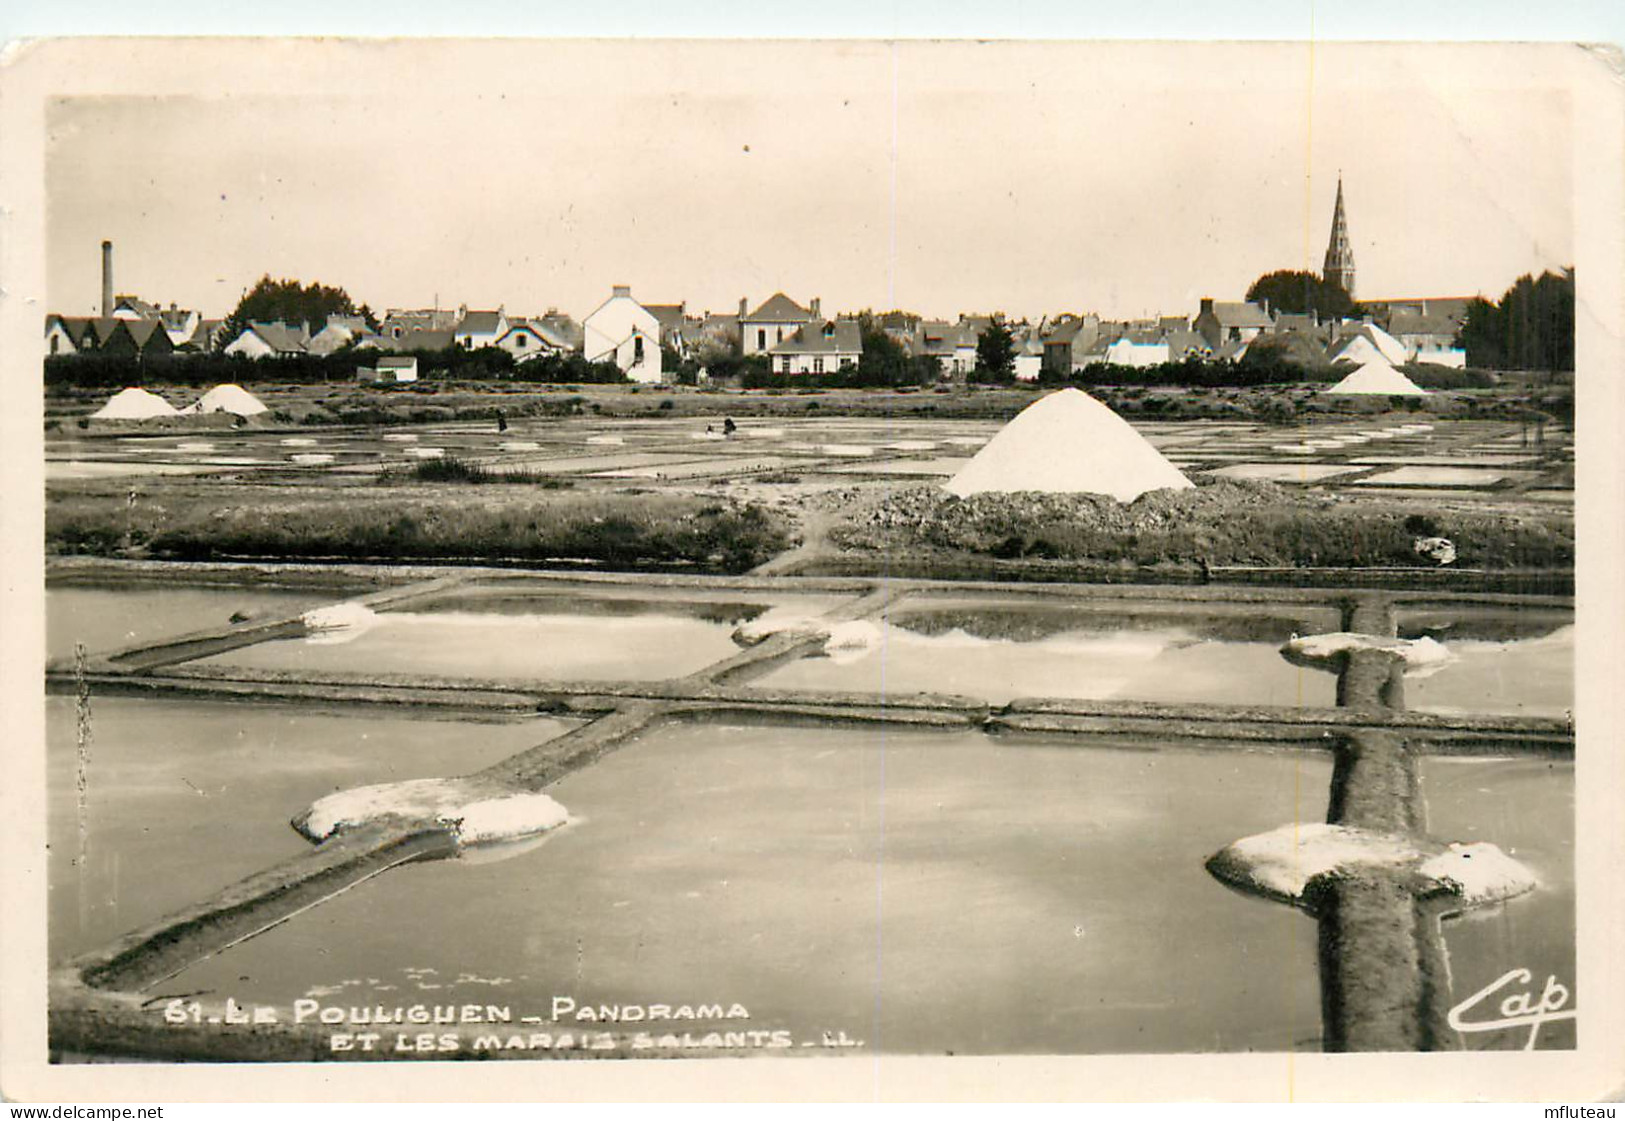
point(1526, 806)
point(1170, 664)
point(1526, 677)
point(108, 618)
point(924, 891)
point(552, 640)
point(186, 797)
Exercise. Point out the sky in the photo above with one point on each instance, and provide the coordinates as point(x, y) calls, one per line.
point(941, 177)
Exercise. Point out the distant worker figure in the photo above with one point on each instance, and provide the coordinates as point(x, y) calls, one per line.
point(502, 421)
point(728, 426)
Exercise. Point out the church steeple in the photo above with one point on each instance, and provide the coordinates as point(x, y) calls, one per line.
point(1339, 253)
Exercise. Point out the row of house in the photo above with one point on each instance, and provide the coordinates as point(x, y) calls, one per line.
point(1400, 331)
point(795, 339)
point(132, 326)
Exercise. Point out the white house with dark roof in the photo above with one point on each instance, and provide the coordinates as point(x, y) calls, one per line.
point(1028, 345)
point(951, 344)
point(338, 332)
point(480, 328)
point(774, 321)
point(555, 325)
point(819, 348)
point(526, 339)
point(1221, 322)
point(180, 324)
point(268, 340)
point(133, 307)
point(625, 332)
point(398, 322)
point(1138, 348)
point(59, 335)
point(393, 368)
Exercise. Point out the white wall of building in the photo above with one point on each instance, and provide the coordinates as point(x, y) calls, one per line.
point(1454, 357)
point(812, 363)
point(1126, 353)
point(58, 341)
point(626, 332)
point(759, 338)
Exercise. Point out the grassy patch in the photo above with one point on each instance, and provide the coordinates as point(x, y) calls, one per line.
point(451, 469)
point(1220, 523)
point(616, 530)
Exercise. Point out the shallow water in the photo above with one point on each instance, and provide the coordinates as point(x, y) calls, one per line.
point(922, 891)
point(531, 638)
point(106, 618)
point(998, 655)
point(186, 797)
point(1526, 806)
point(1284, 472)
point(1532, 676)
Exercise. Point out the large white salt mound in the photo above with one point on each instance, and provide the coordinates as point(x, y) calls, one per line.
point(134, 404)
point(1068, 443)
point(228, 398)
point(1378, 377)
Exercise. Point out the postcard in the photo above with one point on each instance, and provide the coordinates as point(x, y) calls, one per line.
point(766, 569)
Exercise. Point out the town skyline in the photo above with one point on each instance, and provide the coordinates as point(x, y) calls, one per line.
point(941, 178)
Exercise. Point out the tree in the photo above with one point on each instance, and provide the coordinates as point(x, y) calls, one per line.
point(1299, 293)
point(996, 351)
point(289, 302)
point(1531, 328)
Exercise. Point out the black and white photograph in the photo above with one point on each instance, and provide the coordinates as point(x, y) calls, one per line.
point(810, 554)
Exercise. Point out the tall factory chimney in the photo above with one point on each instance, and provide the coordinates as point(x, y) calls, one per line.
point(107, 278)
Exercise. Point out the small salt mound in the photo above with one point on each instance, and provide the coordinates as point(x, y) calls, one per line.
point(1068, 443)
point(853, 450)
point(426, 453)
point(476, 815)
point(1422, 656)
point(755, 630)
point(707, 436)
point(134, 404)
point(761, 433)
point(311, 458)
point(614, 440)
point(1377, 377)
point(1283, 863)
point(1479, 872)
point(519, 446)
point(337, 623)
point(298, 442)
point(400, 437)
point(228, 398)
point(851, 641)
point(966, 441)
point(913, 445)
point(505, 818)
point(194, 446)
